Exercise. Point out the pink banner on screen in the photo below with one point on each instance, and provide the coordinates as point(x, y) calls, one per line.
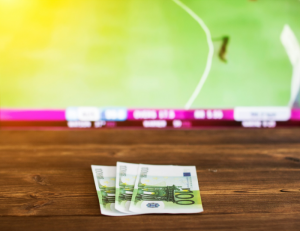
point(32, 115)
point(176, 114)
point(132, 114)
point(295, 115)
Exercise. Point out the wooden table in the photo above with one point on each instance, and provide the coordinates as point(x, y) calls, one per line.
point(249, 179)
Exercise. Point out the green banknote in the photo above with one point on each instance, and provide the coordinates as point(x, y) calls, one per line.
point(125, 181)
point(166, 189)
point(105, 182)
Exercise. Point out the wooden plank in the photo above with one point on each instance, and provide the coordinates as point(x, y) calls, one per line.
point(203, 156)
point(53, 194)
point(254, 221)
point(128, 137)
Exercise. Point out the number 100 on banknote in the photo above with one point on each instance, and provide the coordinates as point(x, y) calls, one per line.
point(166, 189)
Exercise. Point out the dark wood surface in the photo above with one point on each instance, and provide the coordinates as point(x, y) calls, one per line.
point(249, 179)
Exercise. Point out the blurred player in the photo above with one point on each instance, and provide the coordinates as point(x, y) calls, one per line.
point(223, 50)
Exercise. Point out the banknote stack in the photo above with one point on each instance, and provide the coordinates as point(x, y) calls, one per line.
point(133, 189)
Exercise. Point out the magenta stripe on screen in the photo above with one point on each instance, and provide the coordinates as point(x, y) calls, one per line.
point(295, 115)
point(32, 115)
point(166, 114)
point(177, 114)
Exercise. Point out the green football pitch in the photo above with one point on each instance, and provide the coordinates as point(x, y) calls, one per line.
point(144, 53)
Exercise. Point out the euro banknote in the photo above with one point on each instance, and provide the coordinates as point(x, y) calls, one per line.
point(125, 181)
point(105, 182)
point(166, 189)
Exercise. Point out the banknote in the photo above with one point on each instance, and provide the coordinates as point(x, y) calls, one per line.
point(125, 180)
point(105, 182)
point(166, 189)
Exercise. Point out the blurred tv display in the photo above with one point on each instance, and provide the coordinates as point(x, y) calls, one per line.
point(149, 63)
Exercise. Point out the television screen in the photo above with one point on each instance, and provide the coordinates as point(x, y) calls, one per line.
point(149, 63)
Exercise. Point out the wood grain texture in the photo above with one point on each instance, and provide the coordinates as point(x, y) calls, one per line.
point(249, 179)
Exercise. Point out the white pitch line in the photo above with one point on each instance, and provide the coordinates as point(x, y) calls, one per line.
point(295, 84)
point(210, 53)
point(292, 47)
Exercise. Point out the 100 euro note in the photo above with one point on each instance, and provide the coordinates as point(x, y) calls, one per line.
point(105, 182)
point(125, 181)
point(166, 189)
